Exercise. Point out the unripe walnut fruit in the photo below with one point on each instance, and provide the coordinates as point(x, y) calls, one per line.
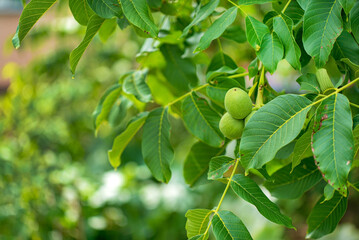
point(238, 103)
point(230, 127)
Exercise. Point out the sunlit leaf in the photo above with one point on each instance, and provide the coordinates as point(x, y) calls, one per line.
point(197, 221)
point(81, 11)
point(255, 31)
point(135, 83)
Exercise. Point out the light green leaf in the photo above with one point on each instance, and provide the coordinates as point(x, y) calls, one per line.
point(138, 13)
point(309, 82)
point(250, 2)
point(253, 68)
point(227, 226)
point(333, 142)
point(105, 105)
point(249, 191)
point(156, 147)
point(283, 27)
point(326, 215)
point(255, 31)
point(318, 38)
point(272, 127)
point(289, 185)
point(106, 8)
point(29, 16)
point(217, 28)
point(197, 221)
point(93, 26)
point(328, 192)
point(199, 237)
point(196, 164)
point(271, 51)
point(354, 20)
point(135, 84)
point(201, 15)
point(180, 72)
point(107, 29)
point(347, 5)
point(122, 140)
point(346, 47)
point(81, 11)
point(303, 4)
point(218, 166)
point(302, 149)
point(201, 120)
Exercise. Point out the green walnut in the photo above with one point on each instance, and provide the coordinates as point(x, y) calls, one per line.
point(238, 103)
point(248, 117)
point(230, 127)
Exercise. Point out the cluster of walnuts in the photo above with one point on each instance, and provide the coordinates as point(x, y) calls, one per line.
point(239, 110)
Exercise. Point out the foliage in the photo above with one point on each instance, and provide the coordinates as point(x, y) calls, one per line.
point(317, 38)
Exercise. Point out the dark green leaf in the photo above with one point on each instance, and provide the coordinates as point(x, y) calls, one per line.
point(346, 47)
point(201, 15)
point(81, 11)
point(255, 31)
point(197, 221)
point(106, 8)
point(326, 215)
point(122, 140)
point(356, 146)
point(271, 128)
point(271, 51)
point(227, 226)
point(217, 28)
point(135, 83)
point(318, 38)
point(333, 141)
point(289, 185)
point(93, 26)
point(219, 166)
point(29, 16)
point(253, 68)
point(202, 121)
point(138, 13)
point(302, 149)
point(347, 5)
point(249, 191)
point(219, 60)
point(156, 147)
point(235, 33)
point(309, 82)
point(196, 164)
point(354, 20)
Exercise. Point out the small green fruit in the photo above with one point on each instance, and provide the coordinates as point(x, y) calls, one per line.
point(238, 103)
point(230, 127)
point(248, 117)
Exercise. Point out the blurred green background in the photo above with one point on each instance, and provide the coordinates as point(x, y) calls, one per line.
point(55, 179)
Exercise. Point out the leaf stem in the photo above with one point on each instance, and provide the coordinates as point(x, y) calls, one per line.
point(354, 105)
point(239, 75)
point(187, 94)
point(353, 186)
point(286, 6)
point(259, 100)
point(238, 7)
point(223, 195)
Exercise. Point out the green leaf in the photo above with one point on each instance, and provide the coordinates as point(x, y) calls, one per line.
point(227, 226)
point(93, 26)
point(218, 89)
point(225, 71)
point(180, 72)
point(119, 112)
point(219, 60)
point(303, 4)
point(309, 82)
point(105, 105)
point(107, 29)
point(333, 141)
point(156, 147)
point(202, 121)
point(272, 127)
point(347, 5)
point(218, 166)
point(289, 185)
point(81, 11)
point(217, 28)
point(318, 38)
point(295, 12)
point(106, 8)
point(235, 33)
point(328, 192)
point(135, 84)
point(283, 27)
point(199, 237)
point(138, 13)
point(325, 216)
point(29, 16)
point(196, 164)
point(201, 15)
point(271, 51)
point(356, 147)
point(346, 47)
point(197, 221)
point(302, 149)
point(354, 20)
point(253, 68)
point(255, 31)
point(122, 140)
point(250, 2)
point(249, 191)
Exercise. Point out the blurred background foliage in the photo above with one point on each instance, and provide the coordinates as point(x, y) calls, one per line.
point(55, 179)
